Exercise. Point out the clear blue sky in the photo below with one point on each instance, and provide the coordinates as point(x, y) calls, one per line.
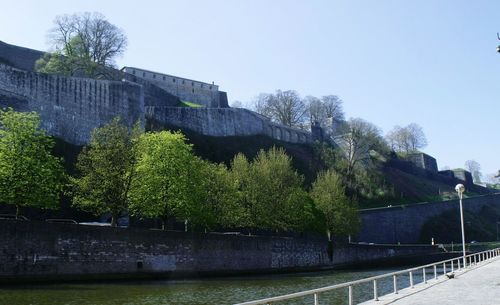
point(392, 62)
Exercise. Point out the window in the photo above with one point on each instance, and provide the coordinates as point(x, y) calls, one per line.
point(173, 80)
point(154, 75)
point(183, 82)
point(133, 72)
point(192, 83)
point(201, 85)
point(163, 77)
point(210, 88)
point(143, 74)
point(192, 90)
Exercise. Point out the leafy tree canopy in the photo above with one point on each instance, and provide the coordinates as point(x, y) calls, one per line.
point(29, 174)
point(106, 169)
point(84, 44)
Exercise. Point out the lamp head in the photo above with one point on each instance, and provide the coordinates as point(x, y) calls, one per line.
point(460, 188)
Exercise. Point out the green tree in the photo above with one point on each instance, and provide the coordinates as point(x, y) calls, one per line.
point(270, 191)
point(29, 174)
point(168, 182)
point(220, 197)
point(84, 43)
point(340, 213)
point(106, 169)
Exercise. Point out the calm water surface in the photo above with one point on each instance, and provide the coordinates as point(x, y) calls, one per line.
point(206, 291)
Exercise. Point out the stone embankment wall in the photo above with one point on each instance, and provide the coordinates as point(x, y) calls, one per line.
point(402, 224)
point(71, 107)
point(225, 122)
point(32, 250)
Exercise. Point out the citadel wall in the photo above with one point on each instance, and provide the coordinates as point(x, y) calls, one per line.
point(71, 107)
point(403, 224)
point(186, 89)
point(220, 122)
point(423, 161)
point(19, 57)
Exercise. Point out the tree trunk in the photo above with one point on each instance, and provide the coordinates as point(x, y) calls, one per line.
point(163, 224)
point(18, 211)
point(330, 245)
point(114, 220)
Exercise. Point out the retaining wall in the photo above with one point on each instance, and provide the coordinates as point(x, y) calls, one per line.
point(221, 122)
point(402, 224)
point(32, 250)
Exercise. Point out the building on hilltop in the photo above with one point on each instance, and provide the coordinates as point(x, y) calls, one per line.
point(188, 90)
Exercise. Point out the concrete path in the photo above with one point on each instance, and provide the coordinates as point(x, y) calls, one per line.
point(479, 285)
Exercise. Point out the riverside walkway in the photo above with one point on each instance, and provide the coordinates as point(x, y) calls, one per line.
point(455, 281)
point(478, 285)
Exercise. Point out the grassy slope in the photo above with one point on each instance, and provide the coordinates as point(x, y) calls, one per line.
point(189, 104)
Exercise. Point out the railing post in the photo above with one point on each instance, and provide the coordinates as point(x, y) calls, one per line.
point(395, 283)
point(444, 268)
point(350, 296)
point(435, 272)
point(411, 279)
point(475, 260)
point(316, 300)
point(452, 267)
point(375, 294)
point(423, 276)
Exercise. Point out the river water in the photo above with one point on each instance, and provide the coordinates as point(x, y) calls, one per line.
point(227, 290)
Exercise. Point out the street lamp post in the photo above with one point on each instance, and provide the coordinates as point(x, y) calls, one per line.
point(460, 190)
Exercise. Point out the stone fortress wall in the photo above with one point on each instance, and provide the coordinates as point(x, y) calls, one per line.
point(19, 57)
point(221, 122)
point(71, 107)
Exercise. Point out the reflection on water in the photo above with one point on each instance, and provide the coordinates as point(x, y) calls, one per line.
point(206, 291)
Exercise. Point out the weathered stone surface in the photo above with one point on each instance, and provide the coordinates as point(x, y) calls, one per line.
point(19, 57)
point(404, 223)
point(424, 161)
point(71, 107)
point(186, 89)
point(33, 249)
point(225, 122)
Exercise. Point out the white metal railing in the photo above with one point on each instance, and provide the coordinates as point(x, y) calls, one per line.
point(452, 264)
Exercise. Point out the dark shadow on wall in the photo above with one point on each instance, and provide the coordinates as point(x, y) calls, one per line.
point(445, 228)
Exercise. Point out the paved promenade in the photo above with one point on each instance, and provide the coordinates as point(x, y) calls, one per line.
point(479, 285)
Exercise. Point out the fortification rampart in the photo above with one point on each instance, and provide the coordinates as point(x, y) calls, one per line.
point(70, 107)
point(19, 57)
point(186, 89)
point(403, 224)
point(222, 122)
